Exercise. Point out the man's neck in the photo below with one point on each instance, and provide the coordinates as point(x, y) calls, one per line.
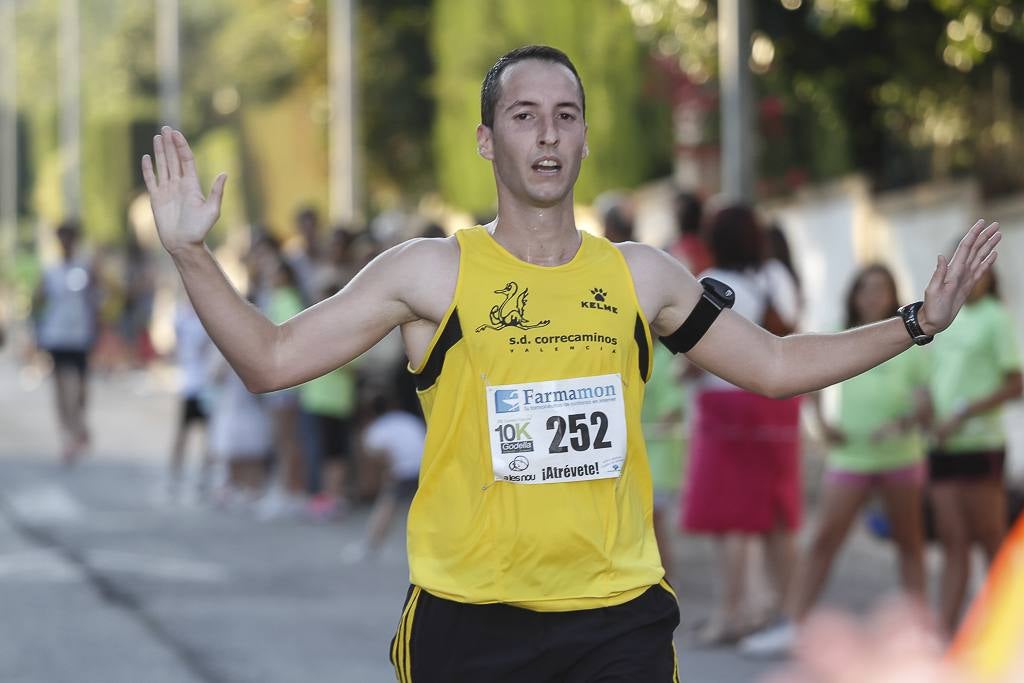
point(541, 236)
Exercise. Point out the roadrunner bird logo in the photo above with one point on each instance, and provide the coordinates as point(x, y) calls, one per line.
point(512, 311)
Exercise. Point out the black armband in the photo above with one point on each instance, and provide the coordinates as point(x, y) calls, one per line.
point(717, 295)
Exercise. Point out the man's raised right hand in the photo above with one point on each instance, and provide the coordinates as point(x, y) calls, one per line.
point(183, 216)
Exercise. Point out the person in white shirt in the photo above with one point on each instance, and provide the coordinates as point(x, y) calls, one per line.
point(65, 311)
point(395, 439)
point(192, 347)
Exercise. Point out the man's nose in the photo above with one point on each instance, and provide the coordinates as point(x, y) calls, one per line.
point(548, 133)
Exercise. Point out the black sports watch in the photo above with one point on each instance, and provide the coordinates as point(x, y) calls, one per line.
point(717, 296)
point(913, 325)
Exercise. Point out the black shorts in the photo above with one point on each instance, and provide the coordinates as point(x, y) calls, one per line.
point(336, 435)
point(192, 411)
point(441, 641)
point(966, 466)
point(70, 359)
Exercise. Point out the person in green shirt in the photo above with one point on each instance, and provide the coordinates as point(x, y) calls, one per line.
point(662, 419)
point(977, 369)
point(328, 407)
point(875, 446)
point(281, 299)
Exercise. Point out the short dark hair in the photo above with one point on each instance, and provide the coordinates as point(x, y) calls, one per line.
point(490, 90)
point(689, 212)
point(69, 228)
point(307, 213)
point(735, 238)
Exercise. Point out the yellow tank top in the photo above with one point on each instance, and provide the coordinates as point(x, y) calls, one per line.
point(535, 488)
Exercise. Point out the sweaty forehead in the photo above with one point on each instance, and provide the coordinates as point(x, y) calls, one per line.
point(537, 81)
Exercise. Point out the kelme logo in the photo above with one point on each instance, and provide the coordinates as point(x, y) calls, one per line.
point(598, 301)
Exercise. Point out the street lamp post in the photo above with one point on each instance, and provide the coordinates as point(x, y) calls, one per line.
point(70, 133)
point(737, 95)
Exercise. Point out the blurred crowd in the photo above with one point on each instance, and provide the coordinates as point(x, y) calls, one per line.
point(914, 447)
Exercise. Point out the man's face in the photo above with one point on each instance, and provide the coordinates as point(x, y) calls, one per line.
point(539, 138)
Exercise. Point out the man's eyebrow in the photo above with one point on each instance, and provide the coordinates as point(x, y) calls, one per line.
point(521, 103)
point(531, 103)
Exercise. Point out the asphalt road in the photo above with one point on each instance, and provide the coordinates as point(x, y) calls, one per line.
point(101, 581)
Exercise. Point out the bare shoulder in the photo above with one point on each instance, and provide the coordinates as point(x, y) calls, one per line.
point(422, 273)
point(663, 285)
point(414, 262)
point(639, 255)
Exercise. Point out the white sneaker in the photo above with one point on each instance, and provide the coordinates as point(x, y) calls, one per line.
point(773, 641)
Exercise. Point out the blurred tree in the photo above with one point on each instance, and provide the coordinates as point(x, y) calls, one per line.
point(628, 132)
point(904, 90)
point(395, 99)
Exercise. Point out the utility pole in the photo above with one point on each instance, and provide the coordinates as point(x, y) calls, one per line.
point(343, 175)
point(168, 59)
point(736, 85)
point(69, 84)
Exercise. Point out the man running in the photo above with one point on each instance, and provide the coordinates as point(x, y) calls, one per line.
point(531, 549)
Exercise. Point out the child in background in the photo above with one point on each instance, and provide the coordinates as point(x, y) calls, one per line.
point(876, 447)
point(192, 347)
point(394, 439)
point(240, 437)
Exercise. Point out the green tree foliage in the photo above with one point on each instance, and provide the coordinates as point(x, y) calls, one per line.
point(395, 100)
point(628, 136)
point(902, 89)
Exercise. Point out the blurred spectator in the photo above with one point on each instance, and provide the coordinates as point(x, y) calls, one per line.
point(337, 267)
point(433, 230)
point(240, 436)
point(139, 293)
point(976, 370)
point(618, 223)
point(328, 410)
point(65, 312)
point(777, 248)
point(662, 418)
point(744, 468)
point(395, 440)
point(690, 247)
point(110, 352)
point(193, 348)
point(876, 447)
point(282, 299)
point(306, 258)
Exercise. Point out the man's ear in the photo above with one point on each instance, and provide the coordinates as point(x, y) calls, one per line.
point(485, 142)
point(586, 149)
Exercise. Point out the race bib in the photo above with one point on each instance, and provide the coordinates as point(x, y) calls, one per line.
point(557, 431)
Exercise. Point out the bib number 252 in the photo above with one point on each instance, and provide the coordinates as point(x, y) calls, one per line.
point(578, 427)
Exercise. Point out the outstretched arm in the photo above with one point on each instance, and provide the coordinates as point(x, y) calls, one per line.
point(750, 357)
point(268, 356)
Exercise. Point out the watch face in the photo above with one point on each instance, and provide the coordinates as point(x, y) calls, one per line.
point(721, 293)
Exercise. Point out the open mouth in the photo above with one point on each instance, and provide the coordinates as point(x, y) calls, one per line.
point(547, 166)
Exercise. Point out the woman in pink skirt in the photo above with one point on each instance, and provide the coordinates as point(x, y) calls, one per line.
point(744, 469)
